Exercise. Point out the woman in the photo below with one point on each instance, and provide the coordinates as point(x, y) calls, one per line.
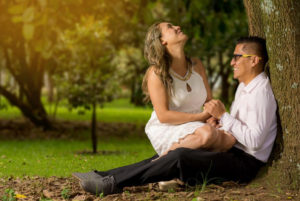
point(177, 87)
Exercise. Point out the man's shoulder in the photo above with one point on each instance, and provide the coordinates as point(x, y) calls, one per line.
point(263, 91)
point(264, 85)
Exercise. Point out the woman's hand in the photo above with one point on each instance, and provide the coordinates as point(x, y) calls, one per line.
point(203, 116)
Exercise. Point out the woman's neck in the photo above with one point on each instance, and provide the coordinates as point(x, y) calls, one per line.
point(178, 60)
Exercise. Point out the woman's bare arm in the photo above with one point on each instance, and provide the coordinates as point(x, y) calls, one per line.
point(159, 99)
point(199, 68)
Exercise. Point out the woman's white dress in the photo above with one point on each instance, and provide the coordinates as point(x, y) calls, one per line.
point(163, 135)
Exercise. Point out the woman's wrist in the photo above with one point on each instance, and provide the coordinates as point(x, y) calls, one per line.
point(203, 116)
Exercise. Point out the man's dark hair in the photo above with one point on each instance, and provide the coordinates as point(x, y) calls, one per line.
point(255, 44)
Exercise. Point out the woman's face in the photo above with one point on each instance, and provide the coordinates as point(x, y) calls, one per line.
point(171, 34)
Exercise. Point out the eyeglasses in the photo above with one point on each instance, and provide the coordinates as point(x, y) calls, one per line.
point(237, 56)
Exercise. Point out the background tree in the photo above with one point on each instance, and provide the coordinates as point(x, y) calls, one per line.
point(29, 36)
point(135, 17)
point(25, 58)
point(278, 22)
point(86, 58)
point(27, 40)
point(214, 27)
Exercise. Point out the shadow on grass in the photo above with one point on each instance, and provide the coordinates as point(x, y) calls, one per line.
point(101, 152)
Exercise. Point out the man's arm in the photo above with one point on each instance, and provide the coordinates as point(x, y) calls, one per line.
point(251, 133)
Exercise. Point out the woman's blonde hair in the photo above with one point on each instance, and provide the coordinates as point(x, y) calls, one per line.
point(158, 58)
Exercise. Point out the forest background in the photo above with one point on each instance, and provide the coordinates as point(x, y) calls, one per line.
point(91, 52)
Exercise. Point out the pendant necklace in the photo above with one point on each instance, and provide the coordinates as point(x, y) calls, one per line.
point(185, 78)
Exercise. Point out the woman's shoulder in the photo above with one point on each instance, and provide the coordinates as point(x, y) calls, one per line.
point(197, 65)
point(152, 70)
point(152, 73)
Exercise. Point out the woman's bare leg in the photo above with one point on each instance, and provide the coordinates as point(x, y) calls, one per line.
point(224, 141)
point(206, 137)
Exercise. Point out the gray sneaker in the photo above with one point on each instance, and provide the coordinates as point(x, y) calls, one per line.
point(105, 185)
point(86, 176)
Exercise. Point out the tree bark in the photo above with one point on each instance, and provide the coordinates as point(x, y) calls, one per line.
point(278, 22)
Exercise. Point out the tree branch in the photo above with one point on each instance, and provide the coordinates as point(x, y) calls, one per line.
point(13, 72)
point(12, 98)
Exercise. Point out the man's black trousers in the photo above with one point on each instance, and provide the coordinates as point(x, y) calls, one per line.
point(189, 165)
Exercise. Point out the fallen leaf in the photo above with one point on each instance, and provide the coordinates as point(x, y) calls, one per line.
point(79, 198)
point(20, 196)
point(48, 194)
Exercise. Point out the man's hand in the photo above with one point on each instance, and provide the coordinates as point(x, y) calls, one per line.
point(215, 107)
point(213, 122)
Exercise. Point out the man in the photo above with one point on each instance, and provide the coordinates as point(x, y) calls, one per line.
point(252, 121)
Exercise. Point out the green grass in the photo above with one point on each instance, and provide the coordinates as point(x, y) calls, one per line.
point(119, 110)
point(60, 157)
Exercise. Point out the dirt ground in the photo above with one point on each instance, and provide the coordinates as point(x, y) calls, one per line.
point(54, 188)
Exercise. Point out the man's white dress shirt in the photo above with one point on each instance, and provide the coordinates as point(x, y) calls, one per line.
point(252, 119)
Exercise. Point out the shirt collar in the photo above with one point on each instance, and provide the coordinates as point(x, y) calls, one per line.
point(251, 85)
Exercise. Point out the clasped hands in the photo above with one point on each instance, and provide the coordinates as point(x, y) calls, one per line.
point(216, 109)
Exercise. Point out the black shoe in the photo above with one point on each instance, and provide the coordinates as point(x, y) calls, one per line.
point(86, 176)
point(105, 185)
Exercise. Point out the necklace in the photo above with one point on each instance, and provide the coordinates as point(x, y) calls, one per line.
point(185, 78)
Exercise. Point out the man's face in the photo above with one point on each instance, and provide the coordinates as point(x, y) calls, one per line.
point(241, 65)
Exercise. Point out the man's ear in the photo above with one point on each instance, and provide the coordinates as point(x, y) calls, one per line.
point(255, 61)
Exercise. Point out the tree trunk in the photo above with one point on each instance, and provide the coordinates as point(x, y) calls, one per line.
point(93, 128)
point(29, 78)
point(37, 116)
point(50, 87)
point(278, 22)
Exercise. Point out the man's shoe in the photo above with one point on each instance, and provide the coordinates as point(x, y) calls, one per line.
point(86, 176)
point(105, 185)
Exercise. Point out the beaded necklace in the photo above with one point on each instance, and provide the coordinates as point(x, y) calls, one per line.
point(185, 78)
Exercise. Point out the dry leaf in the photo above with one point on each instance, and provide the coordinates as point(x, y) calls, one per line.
point(48, 194)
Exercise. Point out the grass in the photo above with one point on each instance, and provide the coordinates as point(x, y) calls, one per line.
point(60, 157)
point(119, 110)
